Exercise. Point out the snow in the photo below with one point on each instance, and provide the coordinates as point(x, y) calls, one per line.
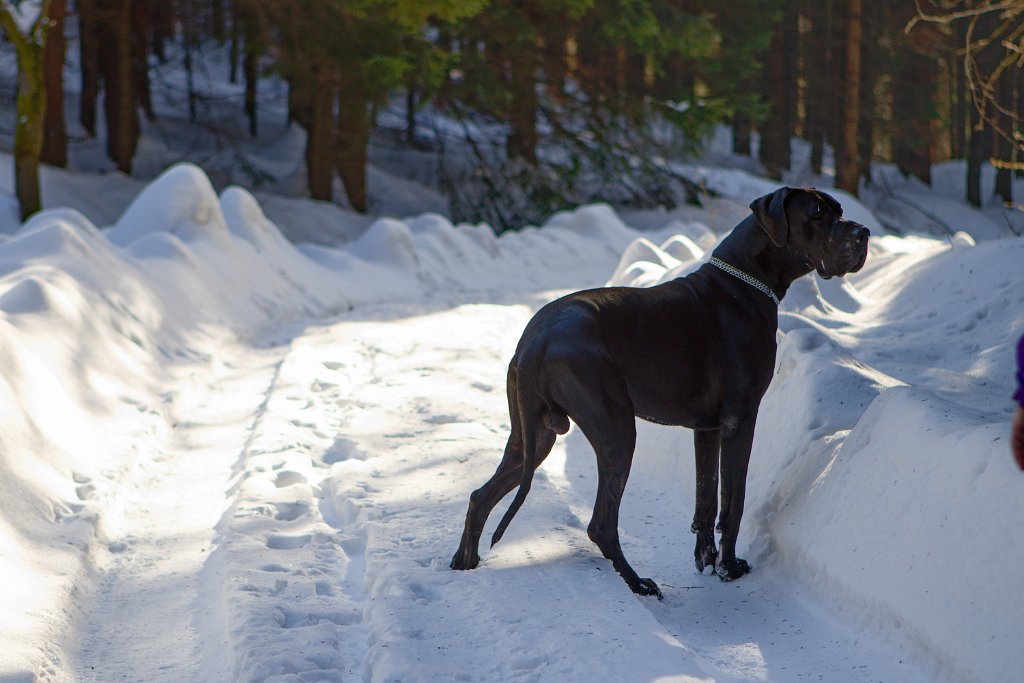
point(24, 12)
point(227, 457)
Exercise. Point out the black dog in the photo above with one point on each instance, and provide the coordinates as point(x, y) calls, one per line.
point(698, 351)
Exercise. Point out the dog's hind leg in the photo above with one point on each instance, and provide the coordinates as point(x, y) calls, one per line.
point(706, 445)
point(504, 479)
point(541, 423)
point(483, 500)
point(541, 431)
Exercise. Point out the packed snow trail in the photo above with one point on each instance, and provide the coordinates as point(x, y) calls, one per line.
point(338, 459)
point(150, 617)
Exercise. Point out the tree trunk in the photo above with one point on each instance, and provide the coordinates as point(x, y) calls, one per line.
point(300, 100)
point(353, 139)
point(115, 59)
point(847, 164)
point(410, 113)
point(141, 21)
point(913, 106)
point(189, 39)
point(915, 95)
point(522, 139)
point(55, 138)
point(555, 64)
point(780, 94)
point(28, 136)
point(162, 27)
point(741, 136)
point(218, 23)
point(250, 65)
point(870, 56)
point(236, 39)
point(978, 150)
point(31, 106)
point(1004, 147)
point(88, 47)
point(319, 133)
point(822, 44)
point(960, 98)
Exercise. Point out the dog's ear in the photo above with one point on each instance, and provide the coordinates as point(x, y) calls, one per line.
point(770, 213)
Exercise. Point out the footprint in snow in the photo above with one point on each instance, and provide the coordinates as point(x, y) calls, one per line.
point(343, 449)
point(287, 478)
point(442, 419)
point(289, 512)
point(288, 542)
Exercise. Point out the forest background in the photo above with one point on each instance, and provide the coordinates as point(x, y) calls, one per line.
point(542, 105)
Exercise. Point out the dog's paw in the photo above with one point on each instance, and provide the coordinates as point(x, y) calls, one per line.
point(705, 556)
point(733, 569)
point(646, 587)
point(461, 561)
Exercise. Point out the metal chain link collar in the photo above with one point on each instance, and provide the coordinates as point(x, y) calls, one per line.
point(739, 274)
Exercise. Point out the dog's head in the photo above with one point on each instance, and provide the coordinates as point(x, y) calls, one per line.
point(811, 224)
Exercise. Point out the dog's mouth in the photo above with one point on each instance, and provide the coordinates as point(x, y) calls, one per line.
point(851, 264)
point(851, 258)
point(822, 271)
point(862, 258)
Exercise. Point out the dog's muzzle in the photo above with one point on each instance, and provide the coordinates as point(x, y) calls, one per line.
point(854, 251)
point(849, 252)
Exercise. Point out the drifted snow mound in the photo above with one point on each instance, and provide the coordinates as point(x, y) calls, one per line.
point(181, 202)
point(397, 259)
point(881, 471)
point(93, 321)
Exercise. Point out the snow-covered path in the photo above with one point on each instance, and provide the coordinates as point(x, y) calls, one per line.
point(298, 525)
point(150, 617)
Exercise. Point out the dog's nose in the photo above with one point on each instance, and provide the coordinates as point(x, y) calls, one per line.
point(860, 234)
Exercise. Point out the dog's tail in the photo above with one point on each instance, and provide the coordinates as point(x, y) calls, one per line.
point(536, 447)
point(517, 502)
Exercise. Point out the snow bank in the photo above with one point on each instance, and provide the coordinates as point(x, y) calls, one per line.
point(880, 472)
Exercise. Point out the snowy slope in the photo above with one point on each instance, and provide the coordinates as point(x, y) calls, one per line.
point(223, 457)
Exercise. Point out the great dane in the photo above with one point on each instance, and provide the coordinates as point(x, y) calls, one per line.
point(697, 351)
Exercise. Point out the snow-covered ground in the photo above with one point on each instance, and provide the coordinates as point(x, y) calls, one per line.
point(224, 457)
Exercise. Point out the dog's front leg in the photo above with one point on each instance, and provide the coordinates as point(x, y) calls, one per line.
point(706, 445)
point(737, 439)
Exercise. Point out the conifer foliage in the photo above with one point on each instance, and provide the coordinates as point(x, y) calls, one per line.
point(546, 104)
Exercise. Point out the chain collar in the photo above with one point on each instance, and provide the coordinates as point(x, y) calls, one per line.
point(749, 279)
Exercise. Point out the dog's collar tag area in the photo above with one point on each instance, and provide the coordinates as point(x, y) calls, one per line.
point(740, 275)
